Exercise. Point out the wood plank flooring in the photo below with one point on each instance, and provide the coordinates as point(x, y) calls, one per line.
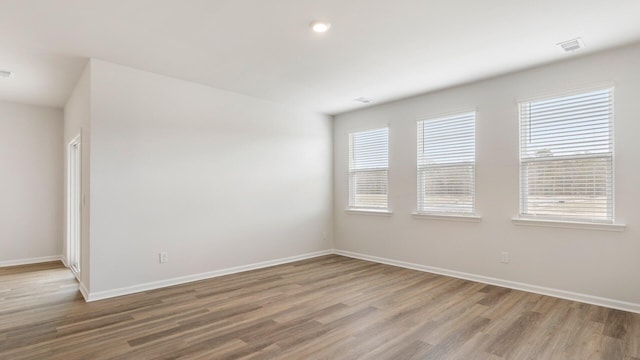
point(330, 307)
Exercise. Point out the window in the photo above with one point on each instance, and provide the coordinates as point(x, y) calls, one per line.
point(369, 169)
point(566, 157)
point(446, 164)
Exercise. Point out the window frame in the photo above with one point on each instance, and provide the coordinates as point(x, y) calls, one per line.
point(570, 221)
point(352, 206)
point(443, 213)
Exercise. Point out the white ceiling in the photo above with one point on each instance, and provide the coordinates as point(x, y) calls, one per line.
point(381, 49)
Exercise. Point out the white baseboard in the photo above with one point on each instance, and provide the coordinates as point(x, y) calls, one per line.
point(83, 290)
point(563, 294)
point(30, 260)
point(100, 295)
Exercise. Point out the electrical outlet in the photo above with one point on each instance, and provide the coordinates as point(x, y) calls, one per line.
point(164, 257)
point(504, 257)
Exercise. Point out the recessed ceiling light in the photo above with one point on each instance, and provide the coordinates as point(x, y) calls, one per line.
point(5, 73)
point(571, 45)
point(320, 26)
point(363, 100)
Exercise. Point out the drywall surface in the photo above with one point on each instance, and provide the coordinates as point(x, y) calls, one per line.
point(77, 117)
point(31, 189)
point(596, 263)
point(213, 178)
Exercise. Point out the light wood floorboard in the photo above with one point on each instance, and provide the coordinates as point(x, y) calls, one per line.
point(331, 307)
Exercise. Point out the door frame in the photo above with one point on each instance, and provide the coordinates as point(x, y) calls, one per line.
point(74, 204)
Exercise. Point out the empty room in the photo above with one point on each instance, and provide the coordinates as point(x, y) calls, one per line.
point(295, 179)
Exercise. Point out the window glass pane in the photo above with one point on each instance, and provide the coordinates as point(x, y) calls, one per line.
point(370, 188)
point(447, 188)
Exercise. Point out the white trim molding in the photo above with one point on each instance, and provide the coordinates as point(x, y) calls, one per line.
point(359, 211)
point(101, 295)
point(563, 294)
point(568, 224)
point(64, 261)
point(601, 85)
point(447, 217)
point(28, 261)
point(83, 290)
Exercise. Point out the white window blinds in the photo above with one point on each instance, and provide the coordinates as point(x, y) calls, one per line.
point(368, 169)
point(566, 157)
point(446, 164)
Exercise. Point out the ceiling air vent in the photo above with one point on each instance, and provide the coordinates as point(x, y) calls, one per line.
point(5, 73)
point(363, 100)
point(571, 45)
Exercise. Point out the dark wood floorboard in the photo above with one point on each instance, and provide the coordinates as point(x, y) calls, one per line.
point(330, 307)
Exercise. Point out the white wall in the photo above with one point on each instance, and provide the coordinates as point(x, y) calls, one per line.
point(31, 183)
point(77, 116)
point(597, 263)
point(214, 178)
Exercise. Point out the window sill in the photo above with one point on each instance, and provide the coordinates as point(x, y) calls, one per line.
point(448, 217)
point(356, 211)
point(568, 224)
